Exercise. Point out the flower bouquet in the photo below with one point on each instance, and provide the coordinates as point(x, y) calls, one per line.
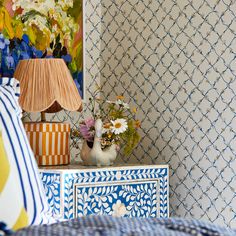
point(119, 126)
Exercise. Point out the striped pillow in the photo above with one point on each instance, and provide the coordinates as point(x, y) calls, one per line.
point(22, 198)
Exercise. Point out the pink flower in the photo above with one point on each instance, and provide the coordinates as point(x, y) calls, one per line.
point(90, 122)
point(87, 129)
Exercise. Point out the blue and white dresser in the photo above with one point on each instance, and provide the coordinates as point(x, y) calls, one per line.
point(131, 191)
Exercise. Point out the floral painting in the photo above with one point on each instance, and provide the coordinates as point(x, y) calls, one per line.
point(42, 29)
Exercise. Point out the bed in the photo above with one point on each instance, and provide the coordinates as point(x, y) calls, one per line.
point(109, 226)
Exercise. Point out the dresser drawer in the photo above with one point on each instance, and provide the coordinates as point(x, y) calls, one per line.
point(133, 199)
point(129, 191)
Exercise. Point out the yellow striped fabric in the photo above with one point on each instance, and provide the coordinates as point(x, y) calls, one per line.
point(49, 142)
point(19, 214)
point(22, 220)
point(5, 166)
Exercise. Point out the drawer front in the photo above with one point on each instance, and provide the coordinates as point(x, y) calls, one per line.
point(132, 199)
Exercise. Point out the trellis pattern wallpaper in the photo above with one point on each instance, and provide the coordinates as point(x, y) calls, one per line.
point(174, 60)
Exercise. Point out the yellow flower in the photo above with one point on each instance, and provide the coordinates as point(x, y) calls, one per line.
point(120, 97)
point(6, 22)
point(51, 11)
point(134, 110)
point(137, 124)
point(106, 128)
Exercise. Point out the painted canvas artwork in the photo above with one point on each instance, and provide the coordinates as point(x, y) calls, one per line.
point(42, 29)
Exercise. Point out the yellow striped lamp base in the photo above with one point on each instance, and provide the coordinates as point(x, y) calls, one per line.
point(49, 142)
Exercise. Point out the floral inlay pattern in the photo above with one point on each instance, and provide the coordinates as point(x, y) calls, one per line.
point(119, 192)
point(139, 199)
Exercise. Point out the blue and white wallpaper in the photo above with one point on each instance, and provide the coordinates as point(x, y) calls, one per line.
point(175, 60)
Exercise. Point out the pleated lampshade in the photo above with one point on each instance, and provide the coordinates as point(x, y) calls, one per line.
point(47, 86)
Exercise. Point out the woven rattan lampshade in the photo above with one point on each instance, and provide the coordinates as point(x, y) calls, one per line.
point(47, 86)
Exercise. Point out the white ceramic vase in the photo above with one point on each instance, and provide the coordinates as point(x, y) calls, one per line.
point(95, 155)
point(85, 155)
point(92, 157)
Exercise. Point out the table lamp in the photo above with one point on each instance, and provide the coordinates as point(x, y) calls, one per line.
point(47, 87)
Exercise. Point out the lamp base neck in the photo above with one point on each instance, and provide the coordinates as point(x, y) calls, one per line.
point(43, 117)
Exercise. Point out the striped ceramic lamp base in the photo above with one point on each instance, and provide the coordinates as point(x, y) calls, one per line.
point(49, 142)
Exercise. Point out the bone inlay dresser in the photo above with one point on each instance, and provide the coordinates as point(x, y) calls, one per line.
point(130, 191)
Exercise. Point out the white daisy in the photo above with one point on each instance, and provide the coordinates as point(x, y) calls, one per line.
point(121, 103)
point(126, 105)
point(119, 126)
point(110, 102)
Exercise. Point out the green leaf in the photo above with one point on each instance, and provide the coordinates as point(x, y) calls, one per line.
point(76, 10)
point(58, 38)
point(72, 66)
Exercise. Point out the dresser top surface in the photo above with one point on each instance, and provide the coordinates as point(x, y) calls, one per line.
point(75, 167)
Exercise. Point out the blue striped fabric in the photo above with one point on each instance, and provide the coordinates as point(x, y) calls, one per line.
point(23, 168)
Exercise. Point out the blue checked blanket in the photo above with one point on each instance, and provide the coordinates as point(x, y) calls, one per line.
point(109, 226)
